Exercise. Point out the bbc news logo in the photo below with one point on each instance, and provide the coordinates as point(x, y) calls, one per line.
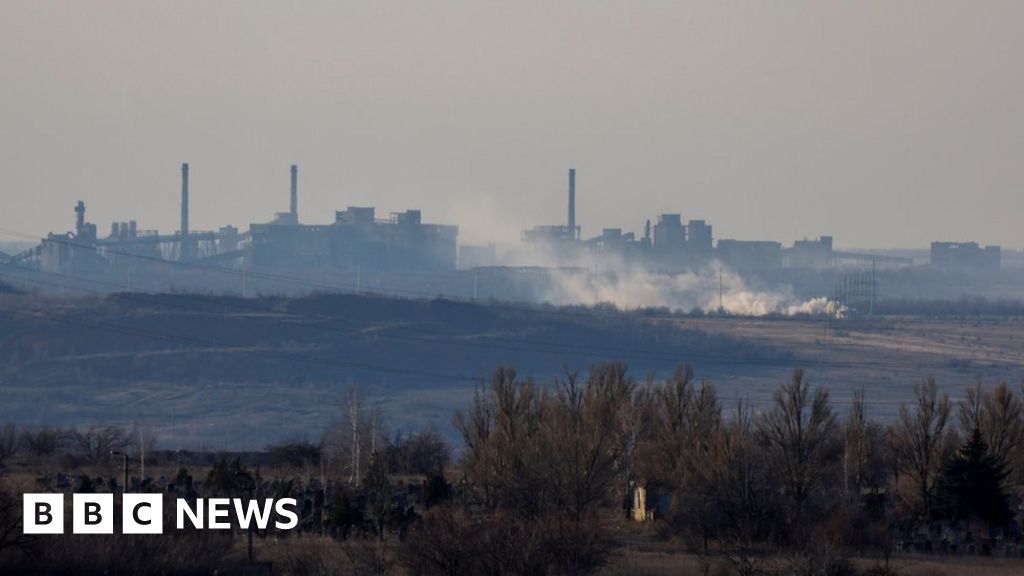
point(143, 513)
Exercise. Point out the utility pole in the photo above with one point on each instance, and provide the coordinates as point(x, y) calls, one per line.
point(475, 284)
point(124, 490)
point(142, 454)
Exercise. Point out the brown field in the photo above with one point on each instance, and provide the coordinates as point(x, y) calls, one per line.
point(219, 373)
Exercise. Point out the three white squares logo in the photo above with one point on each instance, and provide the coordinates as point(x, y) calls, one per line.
point(93, 514)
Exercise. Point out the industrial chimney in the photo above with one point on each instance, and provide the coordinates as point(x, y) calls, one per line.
point(80, 219)
point(295, 194)
point(186, 252)
point(572, 202)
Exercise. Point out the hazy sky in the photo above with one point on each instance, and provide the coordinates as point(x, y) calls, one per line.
point(882, 123)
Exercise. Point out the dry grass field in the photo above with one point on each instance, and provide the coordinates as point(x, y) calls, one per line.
point(215, 372)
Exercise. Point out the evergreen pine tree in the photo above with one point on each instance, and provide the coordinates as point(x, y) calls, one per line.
point(971, 485)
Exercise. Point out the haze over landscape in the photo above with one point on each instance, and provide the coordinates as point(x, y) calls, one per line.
point(884, 125)
point(527, 288)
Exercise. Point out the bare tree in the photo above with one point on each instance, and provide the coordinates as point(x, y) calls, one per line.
point(354, 415)
point(671, 411)
point(505, 452)
point(998, 414)
point(352, 436)
point(446, 543)
point(580, 433)
point(918, 440)
point(143, 443)
point(477, 428)
point(800, 435)
point(378, 491)
point(96, 443)
point(972, 408)
point(632, 427)
point(11, 532)
point(864, 455)
point(45, 441)
point(422, 453)
point(744, 495)
point(296, 454)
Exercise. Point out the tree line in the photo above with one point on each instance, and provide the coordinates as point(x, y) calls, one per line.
point(551, 467)
point(547, 477)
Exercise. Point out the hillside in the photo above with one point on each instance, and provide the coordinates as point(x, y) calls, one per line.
point(239, 373)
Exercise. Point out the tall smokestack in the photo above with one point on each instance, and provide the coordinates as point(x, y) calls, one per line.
point(79, 218)
point(572, 201)
point(295, 193)
point(185, 244)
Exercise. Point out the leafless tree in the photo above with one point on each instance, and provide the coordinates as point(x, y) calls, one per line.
point(580, 431)
point(143, 443)
point(744, 495)
point(369, 558)
point(423, 453)
point(299, 454)
point(351, 437)
point(477, 428)
point(800, 435)
point(632, 427)
point(998, 414)
point(11, 532)
point(505, 450)
point(445, 543)
point(353, 410)
point(672, 406)
point(918, 440)
point(45, 441)
point(96, 443)
point(864, 455)
point(378, 490)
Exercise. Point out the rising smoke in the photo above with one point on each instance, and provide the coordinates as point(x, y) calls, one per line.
point(592, 279)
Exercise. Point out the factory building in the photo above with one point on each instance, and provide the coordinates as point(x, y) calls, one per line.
point(811, 253)
point(401, 253)
point(356, 238)
point(402, 242)
point(965, 257)
point(74, 251)
point(668, 245)
point(753, 255)
point(698, 236)
point(558, 233)
point(669, 234)
point(477, 256)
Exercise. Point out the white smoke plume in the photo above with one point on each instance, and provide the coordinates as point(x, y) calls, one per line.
point(592, 279)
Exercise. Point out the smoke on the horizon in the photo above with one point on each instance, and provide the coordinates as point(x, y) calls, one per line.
point(590, 279)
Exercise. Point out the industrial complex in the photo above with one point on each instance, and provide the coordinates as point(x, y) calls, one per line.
point(400, 253)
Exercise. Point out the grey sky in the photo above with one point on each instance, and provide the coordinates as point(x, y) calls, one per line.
point(882, 123)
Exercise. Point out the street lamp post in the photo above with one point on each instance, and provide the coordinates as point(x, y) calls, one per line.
point(124, 490)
